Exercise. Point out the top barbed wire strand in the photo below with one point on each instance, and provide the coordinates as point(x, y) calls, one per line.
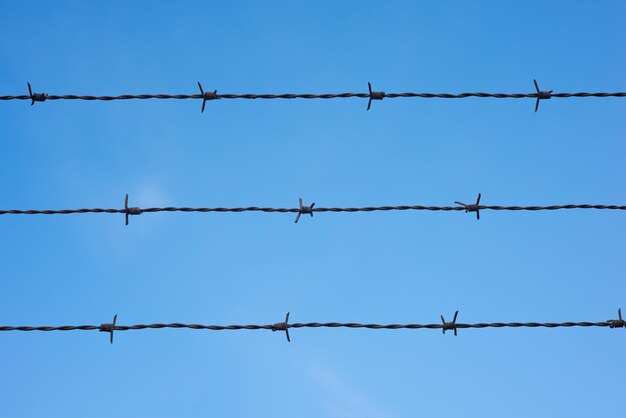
point(371, 95)
point(315, 96)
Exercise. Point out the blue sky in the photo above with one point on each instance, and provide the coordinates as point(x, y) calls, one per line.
point(366, 267)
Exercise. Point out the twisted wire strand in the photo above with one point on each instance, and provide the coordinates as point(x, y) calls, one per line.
point(316, 209)
point(251, 96)
point(309, 325)
point(285, 326)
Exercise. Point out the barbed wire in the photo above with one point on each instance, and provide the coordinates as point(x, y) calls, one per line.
point(370, 95)
point(285, 326)
point(309, 210)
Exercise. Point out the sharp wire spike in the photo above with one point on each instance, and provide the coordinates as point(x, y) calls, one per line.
point(35, 97)
point(619, 322)
point(471, 208)
point(30, 93)
point(541, 95)
point(203, 97)
point(303, 209)
point(449, 325)
point(126, 208)
point(110, 328)
point(374, 95)
point(283, 326)
point(113, 328)
point(206, 96)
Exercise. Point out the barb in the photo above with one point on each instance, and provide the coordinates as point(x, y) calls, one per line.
point(285, 326)
point(472, 208)
point(35, 97)
point(309, 210)
point(374, 95)
point(130, 211)
point(206, 96)
point(370, 95)
point(619, 322)
point(110, 328)
point(541, 95)
point(304, 210)
point(449, 325)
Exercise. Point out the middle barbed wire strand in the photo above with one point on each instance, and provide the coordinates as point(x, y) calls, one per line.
point(302, 209)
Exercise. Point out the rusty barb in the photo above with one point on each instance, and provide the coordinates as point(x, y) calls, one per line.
point(541, 95)
point(472, 207)
point(374, 95)
point(449, 325)
point(110, 328)
point(304, 210)
point(209, 95)
point(283, 326)
point(617, 323)
point(35, 97)
point(130, 210)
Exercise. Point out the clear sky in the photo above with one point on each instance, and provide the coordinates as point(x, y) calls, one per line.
point(397, 267)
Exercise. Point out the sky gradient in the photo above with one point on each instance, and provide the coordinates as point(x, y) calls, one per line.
point(383, 267)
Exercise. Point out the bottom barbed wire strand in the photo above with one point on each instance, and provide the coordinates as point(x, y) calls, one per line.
point(307, 325)
point(285, 326)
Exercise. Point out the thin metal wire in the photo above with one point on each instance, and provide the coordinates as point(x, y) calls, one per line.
point(304, 209)
point(371, 95)
point(296, 210)
point(307, 325)
point(285, 326)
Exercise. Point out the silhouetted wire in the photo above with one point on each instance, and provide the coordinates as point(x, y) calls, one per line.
point(371, 95)
point(285, 326)
point(310, 210)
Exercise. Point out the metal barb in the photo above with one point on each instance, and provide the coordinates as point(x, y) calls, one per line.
point(304, 210)
point(541, 95)
point(472, 207)
point(109, 328)
point(283, 326)
point(617, 323)
point(130, 210)
point(449, 325)
point(207, 96)
point(35, 97)
point(374, 95)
